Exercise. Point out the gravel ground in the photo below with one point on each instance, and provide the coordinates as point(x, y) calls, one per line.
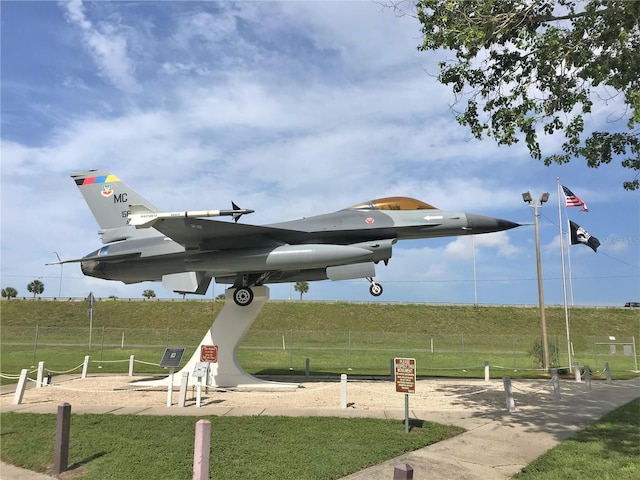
point(431, 394)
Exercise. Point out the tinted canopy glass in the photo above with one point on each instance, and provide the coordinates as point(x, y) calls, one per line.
point(393, 203)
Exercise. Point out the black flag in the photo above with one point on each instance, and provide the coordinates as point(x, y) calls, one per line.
point(580, 235)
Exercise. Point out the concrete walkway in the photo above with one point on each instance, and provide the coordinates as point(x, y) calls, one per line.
point(495, 446)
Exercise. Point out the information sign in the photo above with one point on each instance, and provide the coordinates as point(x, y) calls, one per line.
point(405, 374)
point(172, 357)
point(200, 370)
point(209, 353)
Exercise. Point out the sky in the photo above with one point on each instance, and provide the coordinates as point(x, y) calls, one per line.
point(292, 109)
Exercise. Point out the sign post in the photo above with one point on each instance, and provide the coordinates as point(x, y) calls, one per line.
point(405, 376)
point(171, 360)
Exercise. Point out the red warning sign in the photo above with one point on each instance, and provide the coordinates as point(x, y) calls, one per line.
point(209, 353)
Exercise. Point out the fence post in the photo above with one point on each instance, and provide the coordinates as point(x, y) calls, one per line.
point(576, 371)
point(85, 366)
point(556, 383)
point(40, 375)
point(182, 398)
point(486, 370)
point(587, 377)
point(63, 427)
point(343, 391)
point(22, 383)
point(511, 404)
point(306, 368)
point(202, 450)
point(131, 363)
point(607, 371)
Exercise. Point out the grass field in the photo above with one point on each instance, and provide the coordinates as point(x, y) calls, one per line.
point(606, 450)
point(130, 447)
point(336, 338)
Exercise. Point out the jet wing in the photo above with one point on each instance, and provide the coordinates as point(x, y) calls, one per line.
point(197, 233)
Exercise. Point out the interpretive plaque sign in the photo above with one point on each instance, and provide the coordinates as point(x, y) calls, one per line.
point(405, 374)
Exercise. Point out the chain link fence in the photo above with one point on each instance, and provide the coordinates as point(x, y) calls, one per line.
point(270, 352)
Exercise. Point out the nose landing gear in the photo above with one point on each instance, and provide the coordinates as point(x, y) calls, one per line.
point(375, 289)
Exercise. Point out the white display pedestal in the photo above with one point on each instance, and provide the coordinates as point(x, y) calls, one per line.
point(227, 331)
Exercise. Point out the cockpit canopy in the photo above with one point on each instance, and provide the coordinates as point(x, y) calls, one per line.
point(393, 203)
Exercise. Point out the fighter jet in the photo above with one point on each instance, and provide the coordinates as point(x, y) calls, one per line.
point(185, 250)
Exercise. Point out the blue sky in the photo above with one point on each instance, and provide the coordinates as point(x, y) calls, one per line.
point(291, 109)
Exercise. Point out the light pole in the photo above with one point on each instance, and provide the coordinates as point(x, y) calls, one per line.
point(61, 267)
point(543, 323)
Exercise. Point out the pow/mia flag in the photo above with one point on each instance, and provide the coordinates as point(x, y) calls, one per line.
point(580, 235)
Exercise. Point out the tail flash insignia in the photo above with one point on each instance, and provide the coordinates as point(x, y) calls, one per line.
point(107, 191)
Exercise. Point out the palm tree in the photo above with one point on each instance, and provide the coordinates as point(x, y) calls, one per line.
point(36, 287)
point(9, 293)
point(302, 287)
point(149, 294)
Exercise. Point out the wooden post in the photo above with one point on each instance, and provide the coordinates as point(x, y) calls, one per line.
point(63, 428)
point(202, 450)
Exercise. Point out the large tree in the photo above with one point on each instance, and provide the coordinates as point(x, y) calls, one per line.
point(532, 67)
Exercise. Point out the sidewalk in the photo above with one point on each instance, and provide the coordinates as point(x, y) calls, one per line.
point(496, 445)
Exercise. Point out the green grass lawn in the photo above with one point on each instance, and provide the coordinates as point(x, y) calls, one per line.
point(336, 337)
point(607, 449)
point(143, 447)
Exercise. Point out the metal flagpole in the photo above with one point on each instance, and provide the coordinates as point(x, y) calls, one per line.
point(564, 282)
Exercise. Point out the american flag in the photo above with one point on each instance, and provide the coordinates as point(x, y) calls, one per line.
point(572, 200)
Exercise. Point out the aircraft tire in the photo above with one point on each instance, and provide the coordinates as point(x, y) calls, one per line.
point(375, 289)
point(243, 296)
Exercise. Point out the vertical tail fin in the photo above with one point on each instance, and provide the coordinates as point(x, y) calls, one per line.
point(109, 200)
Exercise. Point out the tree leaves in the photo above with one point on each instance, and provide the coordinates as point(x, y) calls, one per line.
point(537, 67)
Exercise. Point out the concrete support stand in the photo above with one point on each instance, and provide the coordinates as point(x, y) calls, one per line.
point(227, 331)
point(63, 430)
point(201, 450)
point(131, 364)
point(486, 371)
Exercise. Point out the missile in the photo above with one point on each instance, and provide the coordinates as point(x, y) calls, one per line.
point(143, 217)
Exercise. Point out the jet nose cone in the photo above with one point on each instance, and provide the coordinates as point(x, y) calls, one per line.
point(482, 224)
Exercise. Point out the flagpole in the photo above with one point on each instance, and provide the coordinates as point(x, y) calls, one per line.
point(564, 282)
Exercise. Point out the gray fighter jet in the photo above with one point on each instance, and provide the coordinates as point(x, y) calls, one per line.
point(184, 250)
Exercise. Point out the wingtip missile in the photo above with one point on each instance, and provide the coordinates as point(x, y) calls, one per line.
point(143, 217)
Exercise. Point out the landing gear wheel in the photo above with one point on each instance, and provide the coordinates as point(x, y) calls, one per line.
point(243, 296)
point(375, 289)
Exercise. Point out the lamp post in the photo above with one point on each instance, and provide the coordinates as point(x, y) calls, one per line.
point(61, 267)
point(543, 323)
